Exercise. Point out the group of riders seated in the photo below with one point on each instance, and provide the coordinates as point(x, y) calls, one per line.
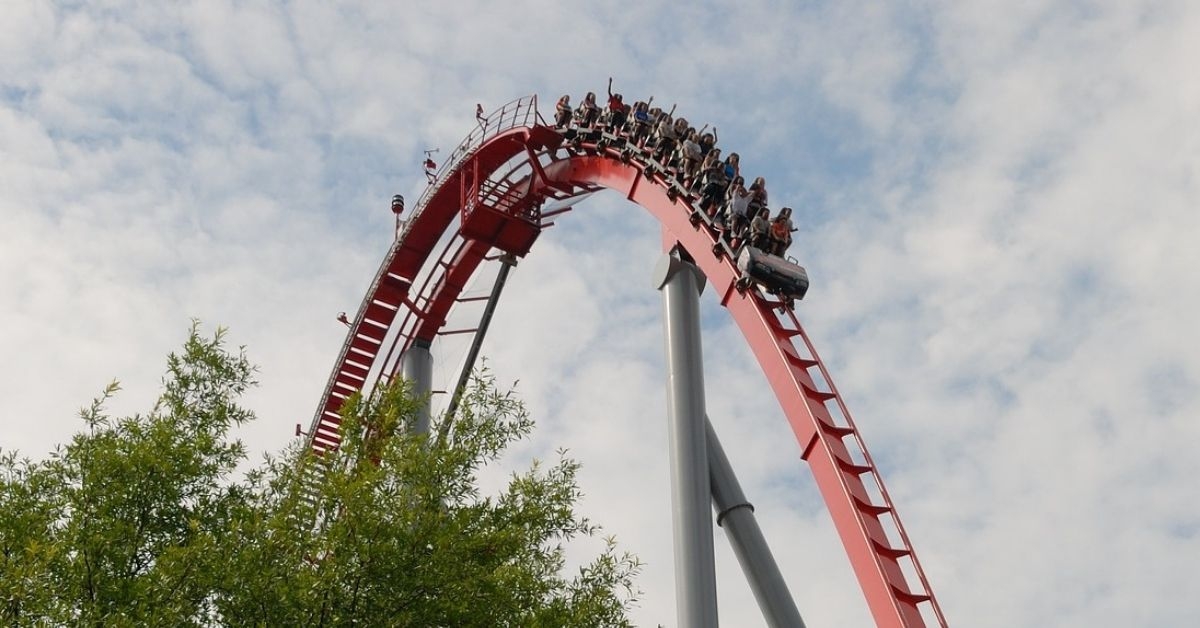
point(691, 156)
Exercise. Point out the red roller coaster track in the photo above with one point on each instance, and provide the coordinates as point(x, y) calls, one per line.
point(489, 196)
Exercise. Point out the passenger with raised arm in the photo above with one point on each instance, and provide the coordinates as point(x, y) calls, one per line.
point(641, 122)
point(562, 112)
point(656, 118)
point(617, 110)
point(673, 160)
point(664, 138)
point(689, 157)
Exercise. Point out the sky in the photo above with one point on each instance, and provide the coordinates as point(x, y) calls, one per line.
point(997, 204)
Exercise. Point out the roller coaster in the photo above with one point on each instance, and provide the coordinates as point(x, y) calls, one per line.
point(487, 205)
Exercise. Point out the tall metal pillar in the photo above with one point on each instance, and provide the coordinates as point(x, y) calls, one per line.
point(736, 516)
point(416, 365)
point(507, 263)
point(695, 569)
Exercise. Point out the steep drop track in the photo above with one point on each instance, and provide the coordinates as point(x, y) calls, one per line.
point(488, 200)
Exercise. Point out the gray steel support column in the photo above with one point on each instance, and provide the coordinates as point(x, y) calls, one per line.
point(507, 262)
point(416, 365)
point(736, 516)
point(695, 569)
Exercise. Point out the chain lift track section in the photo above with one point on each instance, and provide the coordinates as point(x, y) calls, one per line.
point(495, 184)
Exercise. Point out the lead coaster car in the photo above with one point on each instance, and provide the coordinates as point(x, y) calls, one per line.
point(775, 274)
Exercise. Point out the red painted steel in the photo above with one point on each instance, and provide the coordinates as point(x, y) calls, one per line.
point(844, 472)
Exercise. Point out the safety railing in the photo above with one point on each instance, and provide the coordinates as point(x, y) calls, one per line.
point(520, 112)
point(504, 196)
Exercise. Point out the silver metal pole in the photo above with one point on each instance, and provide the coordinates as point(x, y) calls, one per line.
point(695, 569)
point(507, 262)
point(416, 365)
point(736, 515)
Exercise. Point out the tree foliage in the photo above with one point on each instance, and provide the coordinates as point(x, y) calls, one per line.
point(143, 520)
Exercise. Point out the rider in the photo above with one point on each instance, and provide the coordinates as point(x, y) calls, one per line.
point(562, 112)
point(617, 110)
point(739, 208)
point(712, 194)
point(732, 168)
point(641, 122)
point(689, 156)
point(759, 189)
point(759, 228)
point(781, 232)
point(665, 137)
point(588, 111)
point(708, 141)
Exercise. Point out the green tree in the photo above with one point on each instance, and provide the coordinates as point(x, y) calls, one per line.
point(143, 521)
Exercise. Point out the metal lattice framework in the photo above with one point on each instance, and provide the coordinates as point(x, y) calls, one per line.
point(487, 203)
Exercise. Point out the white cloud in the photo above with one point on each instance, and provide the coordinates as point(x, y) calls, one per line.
point(997, 202)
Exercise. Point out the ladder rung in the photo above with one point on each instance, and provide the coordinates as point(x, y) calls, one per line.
point(385, 304)
point(352, 359)
point(355, 369)
point(874, 509)
point(773, 304)
point(325, 438)
point(365, 347)
point(324, 442)
point(837, 430)
point(852, 467)
point(910, 597)
point(790, 351)
point(891, 552)
point(351, 375)
point(371, 333)
point(819, 395)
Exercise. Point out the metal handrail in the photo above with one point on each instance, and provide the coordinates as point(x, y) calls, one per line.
point(520, 112)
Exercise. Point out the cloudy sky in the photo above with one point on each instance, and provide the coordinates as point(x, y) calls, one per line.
point(998, 205)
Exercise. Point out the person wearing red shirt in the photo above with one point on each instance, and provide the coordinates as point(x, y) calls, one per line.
point(617, 110)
